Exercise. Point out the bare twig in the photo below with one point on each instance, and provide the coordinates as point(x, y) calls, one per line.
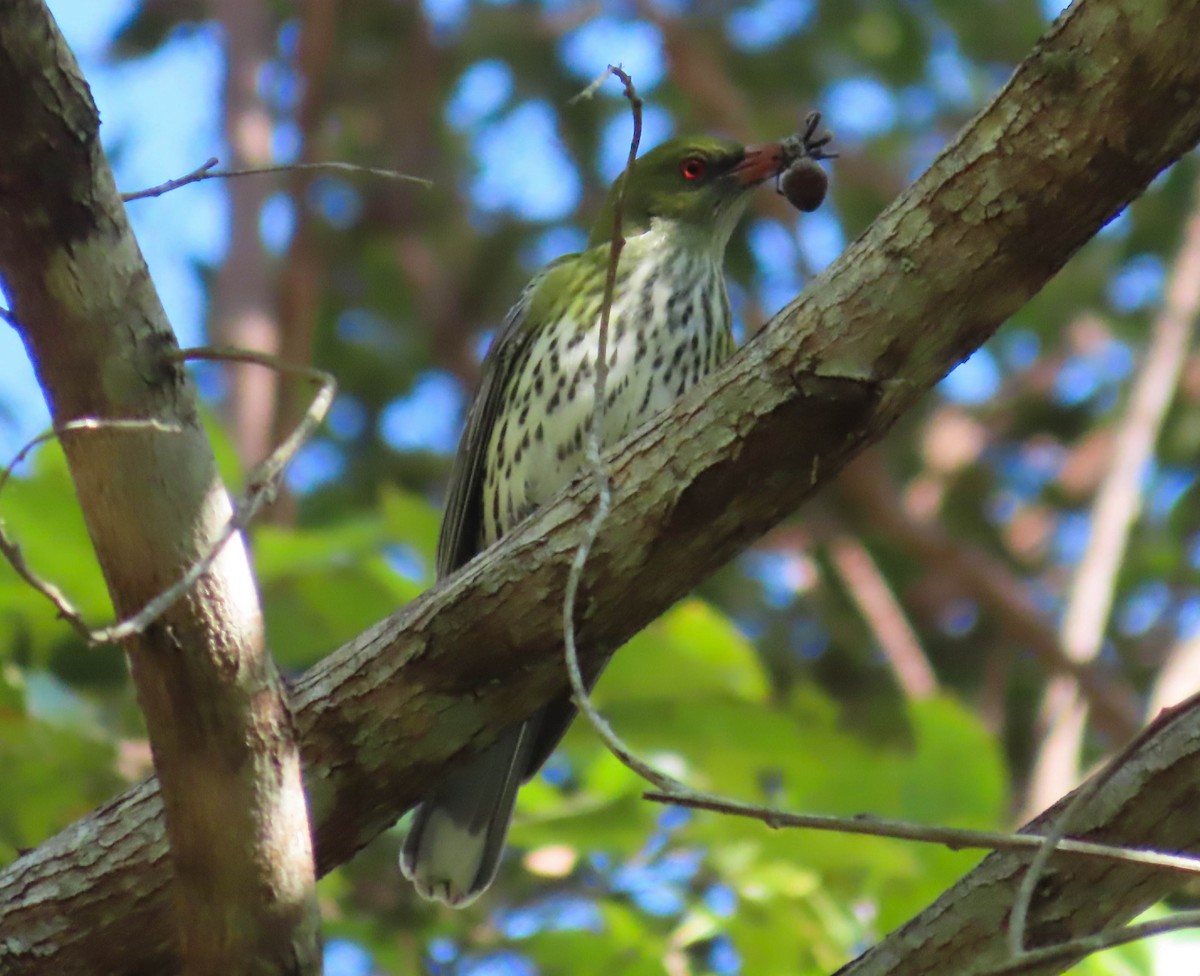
point(205, 171)
point(11, 550)
point(16, 559)
point(958, 839)
point(260, 487)
point(1053, 839)
point(955, 838)
point(270, 468)
point(1035, 959)
point(595, 85)
point(603, 490)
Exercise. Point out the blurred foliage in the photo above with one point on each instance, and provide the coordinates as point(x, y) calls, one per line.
point(768, 685)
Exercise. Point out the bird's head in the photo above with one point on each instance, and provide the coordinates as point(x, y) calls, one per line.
point(699, 183)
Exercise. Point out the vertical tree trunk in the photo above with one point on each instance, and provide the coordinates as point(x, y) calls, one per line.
point(220, 728)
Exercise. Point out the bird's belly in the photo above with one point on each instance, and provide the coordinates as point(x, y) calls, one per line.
point(636, 391)
point(667, 331)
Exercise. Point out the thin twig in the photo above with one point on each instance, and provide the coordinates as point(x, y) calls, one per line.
point(597, 83)
point(269, 469)
point(1035, 959)
point(205, 171)
point(260, 488)
point(955, 838)
point(201, 172)
point(1053, 839)
point(959, 838)
point(66, 609)
point(603, 489)
point(11, 549)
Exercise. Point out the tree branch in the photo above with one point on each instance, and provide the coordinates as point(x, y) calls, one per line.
point(207, 171)
point(1109, 97)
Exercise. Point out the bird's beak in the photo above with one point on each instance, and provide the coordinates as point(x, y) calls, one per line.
point(759, 164)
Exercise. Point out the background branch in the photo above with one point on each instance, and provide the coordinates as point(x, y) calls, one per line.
point(208, 171)
point(241, 313)
point(884, 616)
point(868, 485)
point(1117, 507)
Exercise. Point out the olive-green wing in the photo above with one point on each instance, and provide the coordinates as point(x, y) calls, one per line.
point(462, 524)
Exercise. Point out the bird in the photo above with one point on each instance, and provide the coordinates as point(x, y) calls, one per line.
point(524, 438)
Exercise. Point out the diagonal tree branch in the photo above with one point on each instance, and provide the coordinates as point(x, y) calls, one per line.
point(1109, 97)
point(966, 929)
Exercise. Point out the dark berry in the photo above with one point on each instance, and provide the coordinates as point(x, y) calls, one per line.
point(804, 184)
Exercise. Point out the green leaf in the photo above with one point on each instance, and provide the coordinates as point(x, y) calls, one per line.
point(951, 773)
point(52, 776)
point(281, 552)
point(321, 586)
point(691, 653)
point(410, 518)
point(310, 615)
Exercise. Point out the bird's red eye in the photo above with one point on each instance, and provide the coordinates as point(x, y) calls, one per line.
point(693, 168)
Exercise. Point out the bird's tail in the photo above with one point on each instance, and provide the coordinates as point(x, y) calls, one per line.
point(453, 847)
